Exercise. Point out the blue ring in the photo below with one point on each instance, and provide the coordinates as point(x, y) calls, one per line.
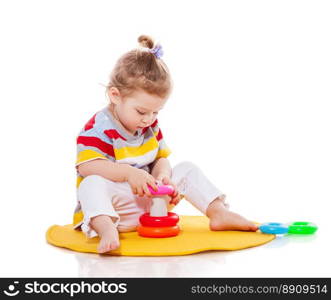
point(274, 228)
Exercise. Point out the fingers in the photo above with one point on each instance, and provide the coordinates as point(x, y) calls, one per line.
point(140, 191)
point(143, 187)
point(153, 184)
point(175, 193)
point(175, 198)
point(134, 190)
point(175, 201)
point(146, 190)
point(166, 180)
point(178, 199)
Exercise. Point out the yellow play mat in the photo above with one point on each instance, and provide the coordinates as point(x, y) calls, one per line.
point(195, 236)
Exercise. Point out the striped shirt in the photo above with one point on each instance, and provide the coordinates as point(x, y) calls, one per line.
point(104, 138)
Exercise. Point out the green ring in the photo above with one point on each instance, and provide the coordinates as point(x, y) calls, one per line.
point(302, 228)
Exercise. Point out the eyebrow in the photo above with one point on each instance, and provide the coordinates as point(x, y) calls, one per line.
point(143, 108)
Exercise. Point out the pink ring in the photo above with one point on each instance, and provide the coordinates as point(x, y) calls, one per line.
point(166, 189)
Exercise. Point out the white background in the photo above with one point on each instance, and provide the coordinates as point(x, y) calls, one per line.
point(250, 106)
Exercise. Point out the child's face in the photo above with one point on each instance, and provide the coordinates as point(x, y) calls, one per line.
point(137, 110)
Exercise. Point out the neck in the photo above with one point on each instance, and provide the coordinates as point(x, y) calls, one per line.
point(112, 110)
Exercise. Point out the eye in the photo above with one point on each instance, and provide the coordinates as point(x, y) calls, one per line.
point(140, 113)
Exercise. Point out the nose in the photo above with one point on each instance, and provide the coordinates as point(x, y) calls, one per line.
point(147, 119)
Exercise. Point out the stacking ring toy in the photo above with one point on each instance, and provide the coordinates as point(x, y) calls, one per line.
point(159, 223)
point(167, 221)
point(274, 228)
point(158, 232)
point(302, 228)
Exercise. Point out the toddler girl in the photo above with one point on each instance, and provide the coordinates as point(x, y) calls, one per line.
point(121, 150)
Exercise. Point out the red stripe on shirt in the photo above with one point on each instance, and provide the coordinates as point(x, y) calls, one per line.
point(154, 123)
point(113, 134)
point(144, 130)
point(92, 141)
point(159, 135)
point(90, 123)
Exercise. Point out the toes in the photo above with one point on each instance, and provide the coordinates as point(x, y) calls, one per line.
point(250, 227)
point(254, 227)
point(103, 249)
point(114, 245)
point(108, 246)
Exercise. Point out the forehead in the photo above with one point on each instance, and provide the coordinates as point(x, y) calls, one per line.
point(146, 101)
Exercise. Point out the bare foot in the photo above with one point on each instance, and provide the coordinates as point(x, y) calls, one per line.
point(223, 219)
point(107, 231)
point(108, 241)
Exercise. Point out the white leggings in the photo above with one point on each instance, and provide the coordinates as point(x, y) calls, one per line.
point(100, 196)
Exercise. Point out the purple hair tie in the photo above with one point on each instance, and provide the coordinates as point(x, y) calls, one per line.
point(157, 51)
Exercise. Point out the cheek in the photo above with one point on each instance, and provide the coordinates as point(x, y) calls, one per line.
point(133, 117)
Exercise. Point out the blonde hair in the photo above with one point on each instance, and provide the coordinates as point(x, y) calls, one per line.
point(141, 69)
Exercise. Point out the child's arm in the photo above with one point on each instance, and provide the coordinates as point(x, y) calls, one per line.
point(138, 179)
point(105, 168)
point(161, 167)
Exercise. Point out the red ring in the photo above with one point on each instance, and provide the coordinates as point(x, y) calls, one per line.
point(167, 221)
point(158, 232)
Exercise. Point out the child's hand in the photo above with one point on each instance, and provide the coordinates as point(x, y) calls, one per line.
point(139, 179)
point(175, 196)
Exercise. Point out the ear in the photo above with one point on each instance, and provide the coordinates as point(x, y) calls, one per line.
point(114, 95)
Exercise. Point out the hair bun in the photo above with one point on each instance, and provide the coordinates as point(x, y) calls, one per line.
point(146, 41)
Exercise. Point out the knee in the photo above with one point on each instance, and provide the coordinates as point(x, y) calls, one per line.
point(90, 186)
point(187, 167)
point(92, 180)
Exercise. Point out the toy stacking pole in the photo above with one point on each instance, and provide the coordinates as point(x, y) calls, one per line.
point(159, 222)
point(159, 207)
